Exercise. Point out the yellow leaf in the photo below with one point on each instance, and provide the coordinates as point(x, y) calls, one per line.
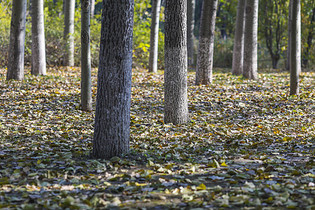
point(201, 187)
point(224, 164)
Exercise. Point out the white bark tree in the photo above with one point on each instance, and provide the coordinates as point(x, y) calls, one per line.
point(250, 40)
point(92, 8)
point(17, 41)
point(206, 42)
point(38, 38)
point(175, 74)
point(154, 36)
point(69, 8)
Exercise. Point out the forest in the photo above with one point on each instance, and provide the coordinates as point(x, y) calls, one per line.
point(157, 104)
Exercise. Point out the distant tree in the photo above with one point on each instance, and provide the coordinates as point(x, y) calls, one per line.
point(295, 59)
point(154, 36)
point(310, 36)
point(17, 41)
point(38, 38)
point(86, 95)
point(238, 49)
point(250, 40)
point(175, 74)
point(206, 42)
point(190, 31)
point(112, 116)
point(69, 7)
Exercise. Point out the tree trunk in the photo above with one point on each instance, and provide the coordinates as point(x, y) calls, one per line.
point(69, 8)
point(17, 41)
point(92, 8)
point(206, 43)
point(154, 36)
point(309, 40)
point(112, 116)
point(175, 75)
point(38, 38)
point(299, 39)
point(86, 95)
point(190, 31)
point(250, 40)
point(294, 58)
point(238, 48)
point(289, 36)
point(275, 60)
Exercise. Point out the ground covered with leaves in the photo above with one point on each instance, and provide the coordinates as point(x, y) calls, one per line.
point(248, 145)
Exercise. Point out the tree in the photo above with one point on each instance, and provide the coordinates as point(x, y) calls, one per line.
point(175, 74)
point(287, 66)
point(92, 8)
point(86, 95)
point(112, 115)
point(250, 39)
point(17, 41)
point(238, 48)
point(154, 36)
point(190, 30)
point(38, 38)
point(69, 7)
point(309, 41)
point(206, 42)
point(295, 59)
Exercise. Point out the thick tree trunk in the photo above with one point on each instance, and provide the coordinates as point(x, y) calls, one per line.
point(112, 116)
point(69, 8)
point(238, 48)
point(250, 40)
point(86, 95)
point(175, 75)
point(17, 40)
point(275, 60)
point(190, 31)
point(295, 63)
point(38, 38)
point(206, 43)
point(92, 8)
point(154, 37)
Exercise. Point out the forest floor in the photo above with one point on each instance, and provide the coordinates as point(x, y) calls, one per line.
point(249, 145)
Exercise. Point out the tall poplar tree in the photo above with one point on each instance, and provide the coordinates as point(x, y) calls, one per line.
point(17, 41)
point(154, 36)
point(112, 115)
point(69, 7)
point(175, 74)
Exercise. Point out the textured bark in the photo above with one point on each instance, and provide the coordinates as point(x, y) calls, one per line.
point(92, 8)
point(86, 95)
point(112, 116)
point(69, 7)
point(299, 40)
point(250, 39)
point(238, 48)
point(17, 40)
point(154, 37)
point(206, 42)
point(190, 31)
point(175, 75)
point(295, 60)
point(38, 38)
point(289, 36)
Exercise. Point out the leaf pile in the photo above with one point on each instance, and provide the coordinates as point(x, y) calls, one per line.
point(248, 145)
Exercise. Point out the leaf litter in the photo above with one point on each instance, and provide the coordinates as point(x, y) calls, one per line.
point(248, 145)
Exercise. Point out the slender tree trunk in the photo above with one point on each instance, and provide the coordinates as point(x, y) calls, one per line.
point(238, 48)
point(175, 75)
point(295, 63)
point(69, 8)
point(17, 40)
point(190, 31)
point(92, 8)
point(112, 116)
point(38, 38)
point(299, 40)
point(289, 36)
point(86, 95)
point(309, 39)
point(206, 42)
point(154, 37)
point(250, 40)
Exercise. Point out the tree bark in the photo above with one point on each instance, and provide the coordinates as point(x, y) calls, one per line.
point(238, 48)
point(112, 116)
point(92, 8)
point(190, 31)
point(154, 36)
point(86, 95)
point(38, 38)
point(17, 41)
point(175, 75)
point(206, 43)
point(289, 36)
point(250, 40)
point(69, 8)
point(295, 63)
